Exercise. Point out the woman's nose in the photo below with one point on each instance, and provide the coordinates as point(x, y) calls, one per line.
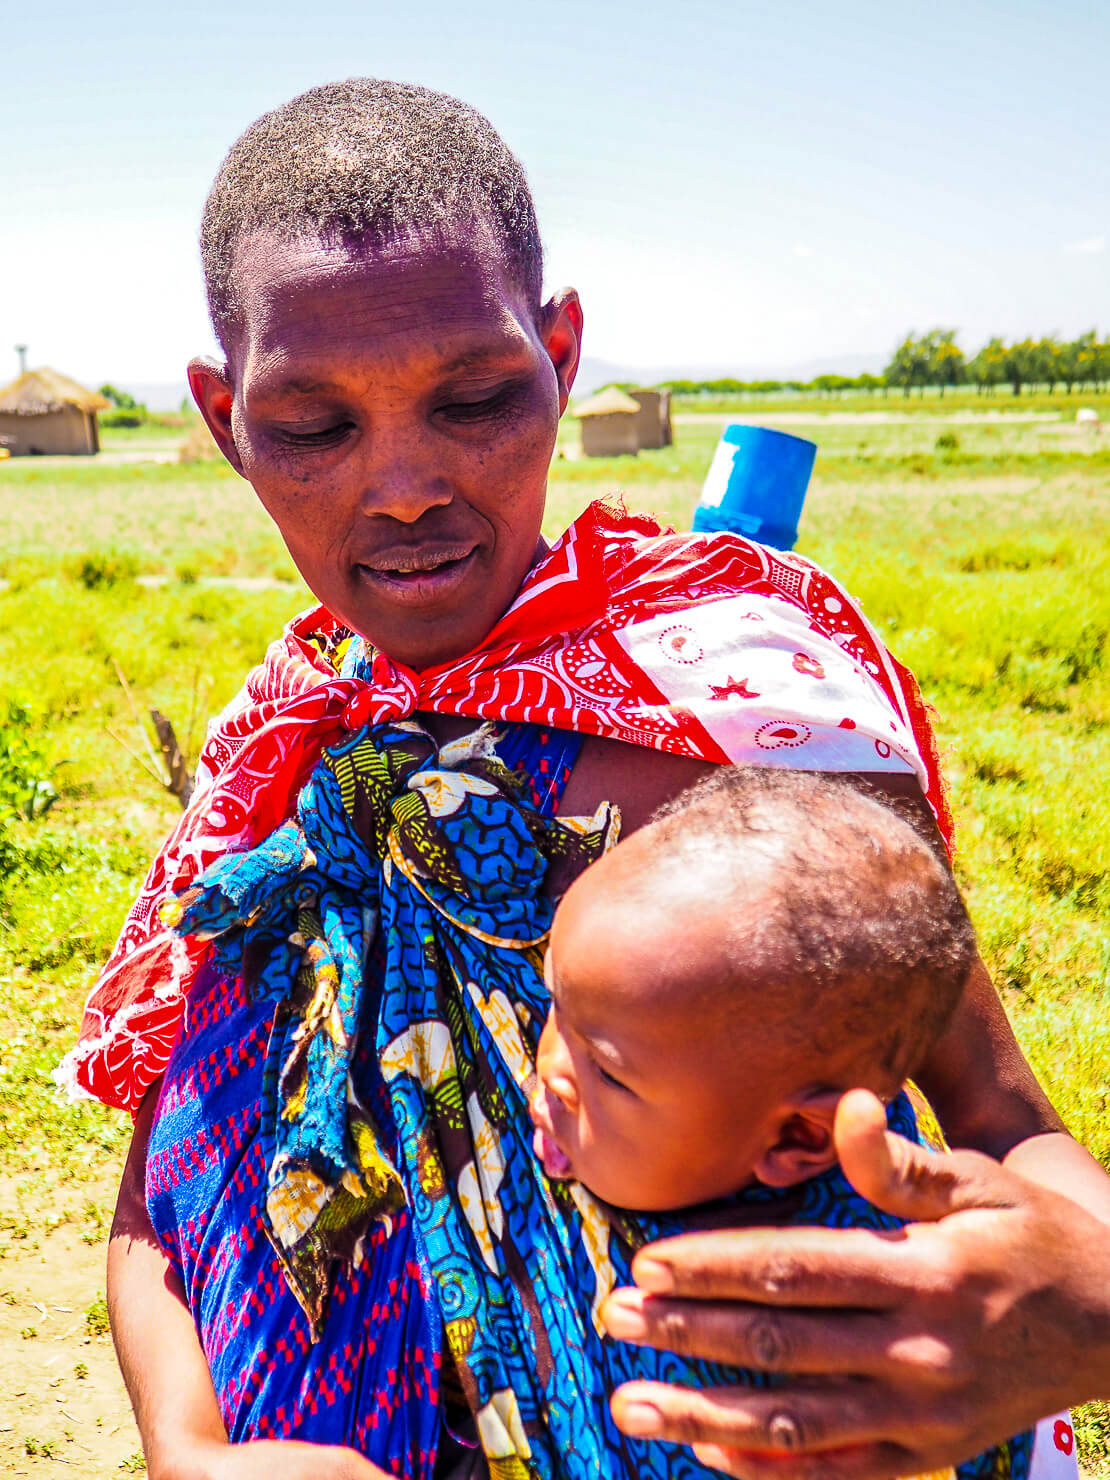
point(401, 477)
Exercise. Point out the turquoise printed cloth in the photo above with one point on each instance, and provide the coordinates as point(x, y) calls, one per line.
point(431, 859)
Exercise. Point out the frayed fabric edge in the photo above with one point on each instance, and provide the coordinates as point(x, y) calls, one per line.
point(67, 1074)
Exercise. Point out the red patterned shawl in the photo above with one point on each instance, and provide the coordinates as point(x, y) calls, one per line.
point(700, 645)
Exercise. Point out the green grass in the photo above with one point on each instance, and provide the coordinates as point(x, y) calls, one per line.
point(963, 400)
point(157, 517)
point(988, 572)
point(995, 588)
point(156, 426)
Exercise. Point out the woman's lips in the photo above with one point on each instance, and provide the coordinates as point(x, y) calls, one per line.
point(423, 579)
point(556, 1163)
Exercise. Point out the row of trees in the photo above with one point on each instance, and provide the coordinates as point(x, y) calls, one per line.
point(935, 359)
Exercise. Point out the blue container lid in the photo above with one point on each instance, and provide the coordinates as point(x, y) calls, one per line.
point(756, 484)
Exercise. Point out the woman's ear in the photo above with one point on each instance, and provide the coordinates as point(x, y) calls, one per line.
point(214, 395)
point(560, 327)
point(802, 1140)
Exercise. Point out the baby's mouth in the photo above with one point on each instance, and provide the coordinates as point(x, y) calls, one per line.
point(556, 1163)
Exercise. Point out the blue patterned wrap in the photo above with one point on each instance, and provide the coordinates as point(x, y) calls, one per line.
point(433, 862)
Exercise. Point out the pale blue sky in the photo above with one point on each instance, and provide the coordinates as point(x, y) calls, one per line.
point(746, 185)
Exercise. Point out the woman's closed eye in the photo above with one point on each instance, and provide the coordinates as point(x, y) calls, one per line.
point(312, 434)
point(487, 407)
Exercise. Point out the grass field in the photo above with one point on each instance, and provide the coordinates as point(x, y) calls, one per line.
point(985, 564)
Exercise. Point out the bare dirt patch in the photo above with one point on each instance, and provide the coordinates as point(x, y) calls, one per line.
point(64, 1408)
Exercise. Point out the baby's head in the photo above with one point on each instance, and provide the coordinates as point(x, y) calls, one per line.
point(768, 941)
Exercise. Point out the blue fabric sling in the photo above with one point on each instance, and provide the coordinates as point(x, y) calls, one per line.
point(432, 865)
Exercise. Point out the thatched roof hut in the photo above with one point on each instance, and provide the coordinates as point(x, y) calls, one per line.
point(609, 424)
point(44, 411)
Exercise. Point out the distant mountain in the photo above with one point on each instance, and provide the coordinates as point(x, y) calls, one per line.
point(594, 373)
point(156, 395)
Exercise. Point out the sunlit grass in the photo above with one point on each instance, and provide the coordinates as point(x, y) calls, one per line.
point(989, 575)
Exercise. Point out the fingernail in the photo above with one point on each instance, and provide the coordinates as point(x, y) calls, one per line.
point(623, 1318)
point(653, 1276)
point(640, 1420)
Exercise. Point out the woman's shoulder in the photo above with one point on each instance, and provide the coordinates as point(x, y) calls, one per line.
point(634, 778)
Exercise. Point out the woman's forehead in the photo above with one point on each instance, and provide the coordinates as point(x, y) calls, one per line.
point(448, 302)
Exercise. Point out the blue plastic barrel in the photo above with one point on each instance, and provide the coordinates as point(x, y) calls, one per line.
point(756, 485)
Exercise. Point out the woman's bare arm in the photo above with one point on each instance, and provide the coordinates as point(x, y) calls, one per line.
point(979, 1082)
point(988, 1099)
point(164, 1367)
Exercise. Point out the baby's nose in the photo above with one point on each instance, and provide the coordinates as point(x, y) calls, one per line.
point(554, 1067)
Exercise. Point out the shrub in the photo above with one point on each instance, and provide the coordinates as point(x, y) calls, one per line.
point(26, 776)
point(131, 416)
point(198, 446)
point(101, 568)
point(96, 1317)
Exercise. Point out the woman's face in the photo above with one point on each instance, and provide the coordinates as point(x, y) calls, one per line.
point(396, 412)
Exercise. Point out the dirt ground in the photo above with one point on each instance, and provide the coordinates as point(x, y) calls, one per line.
point(63, 1403)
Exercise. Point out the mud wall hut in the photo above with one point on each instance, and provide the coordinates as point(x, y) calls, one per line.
point(44, 411)
point(609, 424)
point(653, 425)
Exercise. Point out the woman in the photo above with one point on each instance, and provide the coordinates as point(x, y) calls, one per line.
point(392, 389)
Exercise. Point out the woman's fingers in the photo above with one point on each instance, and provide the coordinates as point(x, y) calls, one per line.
point(853, 1462)
point(907, 1180)
point(854, 1267)
point(849, 1268)
point(907, 1351)
point(764, 1337)
point(769, 1424)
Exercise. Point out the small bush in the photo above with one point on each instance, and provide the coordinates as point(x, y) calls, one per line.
point(947, 442)
point(198, 446)
point(96, 1317)
point(26, 775)
point(130, 416)
point(1092, 1436)
point(101, 568)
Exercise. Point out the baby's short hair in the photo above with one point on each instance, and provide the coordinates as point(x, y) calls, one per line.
point(367, 161)
point(858, 912)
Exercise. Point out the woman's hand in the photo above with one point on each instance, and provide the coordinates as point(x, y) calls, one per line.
point(906, 1351)
point(266, 1459)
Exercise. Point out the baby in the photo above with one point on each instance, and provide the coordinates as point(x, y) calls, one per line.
point(768, 941)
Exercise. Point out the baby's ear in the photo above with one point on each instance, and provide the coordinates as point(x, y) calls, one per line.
point(802, 1140)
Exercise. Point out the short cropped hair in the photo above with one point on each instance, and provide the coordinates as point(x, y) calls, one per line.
point(367, 161)
point(860, 919)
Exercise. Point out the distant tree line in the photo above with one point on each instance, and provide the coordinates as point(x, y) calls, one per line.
point(935, 359)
